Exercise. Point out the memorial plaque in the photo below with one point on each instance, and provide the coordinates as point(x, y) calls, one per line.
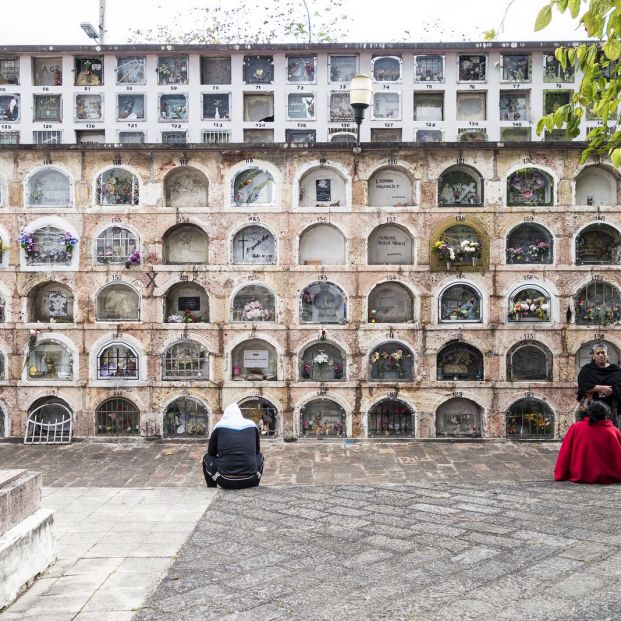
point(256, 359)
point(323, 190)
point(188, 303)
point(47, 71)
point(390, 188)
point(390, 245)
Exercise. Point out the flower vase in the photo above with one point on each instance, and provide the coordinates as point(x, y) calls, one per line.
point(448, 266)
point(473, 261)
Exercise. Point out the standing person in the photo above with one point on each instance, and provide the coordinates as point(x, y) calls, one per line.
point(591, 450)
point(233, 459)
point(600, 380)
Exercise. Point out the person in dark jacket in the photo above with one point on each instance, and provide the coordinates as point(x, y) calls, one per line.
point(600, 380)
point(233, 459)
point(591, 450)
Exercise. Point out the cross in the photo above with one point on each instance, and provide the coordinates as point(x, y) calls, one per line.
point(243, 241)
point(151, 276)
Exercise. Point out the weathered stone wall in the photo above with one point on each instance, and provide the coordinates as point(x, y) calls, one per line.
point(425, 335)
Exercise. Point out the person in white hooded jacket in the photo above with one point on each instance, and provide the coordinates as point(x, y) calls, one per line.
point(233, 459)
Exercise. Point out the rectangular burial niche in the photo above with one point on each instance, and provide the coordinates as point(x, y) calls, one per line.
point(216, 106)
point(301, 69)
point(215, 70)
point(342, 68)
point(47, 71)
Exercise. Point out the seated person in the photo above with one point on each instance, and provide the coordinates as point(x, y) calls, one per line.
point(591, 450)
point(233, 459)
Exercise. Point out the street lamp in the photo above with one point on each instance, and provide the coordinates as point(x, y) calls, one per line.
point(360, 93)
point(90, 31)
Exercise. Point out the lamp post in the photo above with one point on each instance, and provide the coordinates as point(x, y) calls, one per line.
point(89, 29)
point(360, 93)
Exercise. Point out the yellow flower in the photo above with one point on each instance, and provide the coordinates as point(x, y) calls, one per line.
point(32, 370)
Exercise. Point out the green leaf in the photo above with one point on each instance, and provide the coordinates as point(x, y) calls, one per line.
point(612, 49)
point(572, 52)
point(574, 7)
point(540, 125)
point(561, 5)
point(615, 156)
point(543, 18)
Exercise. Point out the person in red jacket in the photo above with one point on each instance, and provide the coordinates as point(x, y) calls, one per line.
point(591, 450)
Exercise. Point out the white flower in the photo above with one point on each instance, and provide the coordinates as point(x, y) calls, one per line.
point(465, 243)
point(452, 254)
point(321, 358)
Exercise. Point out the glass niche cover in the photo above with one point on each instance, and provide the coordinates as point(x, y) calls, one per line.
point(173, 107)
point(216, 106)
point(386, 106)
point(323, 302)
point(343, 68)
point(322, 417)
point(514, 106)
point(258, 69)
point(472, 68)
point(386, 68)
point(253, 186)
point(130, 107)
point(340, 108)
point(254, 303)
point(301, 69)
point(254, 244)
point(391, 361)
point(322, 362)
point(89, 107)
point(301, 106)
point(130, 70)
point(172, 69)
point(429, 68)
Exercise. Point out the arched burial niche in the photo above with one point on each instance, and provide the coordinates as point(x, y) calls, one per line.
point(117, 186)
point(186, 360)
point(254, 245)
point(531, 187)
point(460, 303)
point(185, 417)
point(460, 185)
point(118, 302)
point(323, 302)
point(262, 413)
point(322, 362)
point(458, 418)
point(465, 246)
point(48, 188)
point(50, 421)
point(597, 303)
point(51, 302)
point(391, 417)
point(186, 244)
point(459, 361)
point(253, 303)
point(50, 360)
point(253, 186)
point(529, 243)
point(118, 361)
point(596, 186)
point(390, 244)
point(598, 244)
point(187, 302)
point(390, 188)
point(117, 417)
point(390, 302)
point(322, 417)
point(322, 187)
point(186, 187)
point(322, 244)
point(529, 361)
point(530, 419)
point(584, 354)
point(115, 244)
point(254, 360)
point(391, 361)
point(529, 304)
point(49, 246)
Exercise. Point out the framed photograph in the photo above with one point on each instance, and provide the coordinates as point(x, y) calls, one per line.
point(216, 106)
point(301, 106)
point(342, 68)
point(429, 68)
point(130, 70)
point(215, 70)
point(89, 107)
point(172, 70)
point(340, 108)
point(258, 69)
point(88, 71)
point(301, 69)
point(516, 68)
point(472, 68)
point(386, 68)
point(47, 71)
point(130, 107)
point(173, 107)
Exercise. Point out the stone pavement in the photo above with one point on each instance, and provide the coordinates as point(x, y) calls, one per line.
point(113, 547)
point(306, 462)
point(432, 551)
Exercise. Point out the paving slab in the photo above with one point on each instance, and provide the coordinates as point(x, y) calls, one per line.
point(248, 559)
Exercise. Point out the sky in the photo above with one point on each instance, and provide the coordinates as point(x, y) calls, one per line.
point(57, 22)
